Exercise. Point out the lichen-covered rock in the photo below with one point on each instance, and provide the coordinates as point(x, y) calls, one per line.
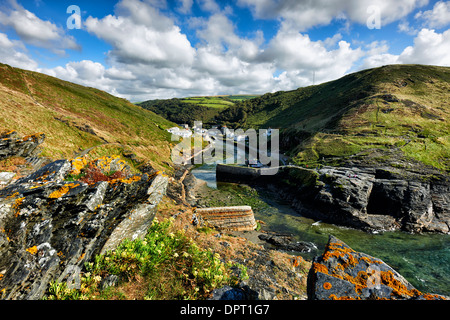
point(341, 273)
point(12, 145)
point(50, 227)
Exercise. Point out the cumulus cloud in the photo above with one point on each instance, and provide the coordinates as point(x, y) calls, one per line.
point(439, 17)
point(296, 52)
point(138, 33)
point(430, 47)
point(35, 31)
point(305, 14)
point(13, 52)
point(151, 57)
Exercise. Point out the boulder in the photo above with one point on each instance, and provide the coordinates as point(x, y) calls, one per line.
point(12, 145)
point(341, 273)
point(49, 227)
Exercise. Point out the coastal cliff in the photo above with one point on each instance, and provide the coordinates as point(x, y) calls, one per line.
point(367, 198)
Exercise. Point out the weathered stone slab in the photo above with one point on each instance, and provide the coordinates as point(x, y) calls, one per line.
point(239, 218)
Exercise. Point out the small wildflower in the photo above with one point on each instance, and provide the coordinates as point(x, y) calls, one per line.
point(175, 255)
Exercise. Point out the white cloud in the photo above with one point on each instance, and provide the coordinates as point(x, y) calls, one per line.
point(430, 48)
point(439, 17)
point(140, 34)
point(300, 57)
point(185, 6)
point(151, 57)
point(12, 52)
point(304, 15)
point(405, 27)
point(209, 5)
point(33, 30)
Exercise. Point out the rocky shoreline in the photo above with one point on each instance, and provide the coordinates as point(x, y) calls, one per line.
point(346, 279)
point(366, 198)
point(55, 219)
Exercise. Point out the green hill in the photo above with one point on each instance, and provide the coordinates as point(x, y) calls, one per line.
point(395, 114)
point(188, 110)
point(75, 118)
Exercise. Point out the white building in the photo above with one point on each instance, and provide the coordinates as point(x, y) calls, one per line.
point(180, 132)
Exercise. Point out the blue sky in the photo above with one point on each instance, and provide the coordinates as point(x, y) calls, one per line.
point(148, 49)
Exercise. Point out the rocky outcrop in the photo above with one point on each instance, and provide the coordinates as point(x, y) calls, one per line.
point(229, 218)
point(372, 199)
point(341, 273)
point(286, 242)
point(12, 145)
point(382, 199)
point(59, 217)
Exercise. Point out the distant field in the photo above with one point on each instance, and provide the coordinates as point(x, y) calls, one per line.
point(217, 102)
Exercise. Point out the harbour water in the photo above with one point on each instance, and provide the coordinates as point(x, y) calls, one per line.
point(423, 259)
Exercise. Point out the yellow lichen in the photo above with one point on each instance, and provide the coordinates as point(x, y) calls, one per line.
point(78, 164)
point(327, 286)
point(17, 204)
point(63, 190)
point(32, 250)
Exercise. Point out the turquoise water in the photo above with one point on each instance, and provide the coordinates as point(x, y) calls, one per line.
point(423, 259)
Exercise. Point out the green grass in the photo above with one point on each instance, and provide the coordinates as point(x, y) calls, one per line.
point(210, 102)
point(31, 102)
point(400, 107)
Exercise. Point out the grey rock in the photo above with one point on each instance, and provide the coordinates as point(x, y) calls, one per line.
point(342, 273)
point(51, 227)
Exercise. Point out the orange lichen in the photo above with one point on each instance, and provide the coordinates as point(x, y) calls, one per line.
point(63, 190)
point(32, 250)
point(334, 297)
point(337, 250)
point(370, 261)
point(399, 289)
point(320, 268)
point(327, 286)
point(131, 180)
point(33, 137)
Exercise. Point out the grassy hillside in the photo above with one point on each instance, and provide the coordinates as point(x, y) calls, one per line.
point(394, 113)
point(188, 110)
point(75, 118)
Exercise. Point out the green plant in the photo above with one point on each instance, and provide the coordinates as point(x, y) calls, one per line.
point(172, 266)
